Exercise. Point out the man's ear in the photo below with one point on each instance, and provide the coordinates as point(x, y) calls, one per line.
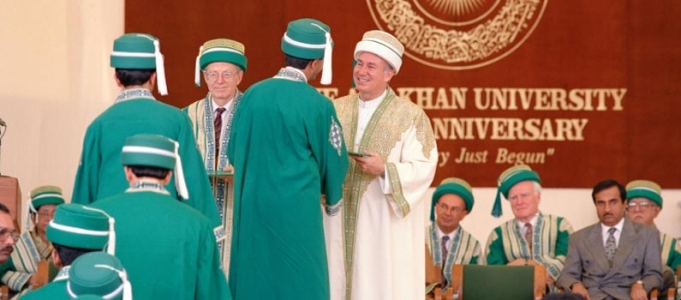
point(56, 260)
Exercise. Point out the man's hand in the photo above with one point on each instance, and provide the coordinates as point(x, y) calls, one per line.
point(578, 288)
point(372, 164)
point(518, 262)
point(638, 292)
point(228, 169)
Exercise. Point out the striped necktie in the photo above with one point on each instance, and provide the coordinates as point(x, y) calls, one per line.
point(445, 240)
point(528, 235)
point(217, 124)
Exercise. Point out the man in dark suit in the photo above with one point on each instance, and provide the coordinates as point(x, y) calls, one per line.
point(615, 258)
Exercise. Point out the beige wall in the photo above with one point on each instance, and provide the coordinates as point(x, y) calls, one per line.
point(55, 79)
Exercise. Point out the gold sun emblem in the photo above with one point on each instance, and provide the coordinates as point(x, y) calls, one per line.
point(458, 34)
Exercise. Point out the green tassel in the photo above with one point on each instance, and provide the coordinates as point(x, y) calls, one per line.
point(496, 209)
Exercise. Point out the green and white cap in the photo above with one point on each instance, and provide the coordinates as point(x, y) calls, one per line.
point(220, 50)
point(310, 39)
point(79, 226)
point(158, 151)
point(42, 195)
point(456, 186)
point(140, 51)
point(99, 274)
point(508, 179)
point(646, 189)
point(384, 45)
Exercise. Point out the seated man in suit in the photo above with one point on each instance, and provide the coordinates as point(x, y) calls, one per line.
point(644, 201)
point(448, 243)
point(531, 238)
point(614, 258)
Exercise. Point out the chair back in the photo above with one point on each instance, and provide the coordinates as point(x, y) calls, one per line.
point(479, 282)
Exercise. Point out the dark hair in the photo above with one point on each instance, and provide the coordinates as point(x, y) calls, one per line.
point(4, 208)
point(296, 62)
point(68, 254)
point(129, 77)
point(564, 296)
point(606, 184)
point(144, 171)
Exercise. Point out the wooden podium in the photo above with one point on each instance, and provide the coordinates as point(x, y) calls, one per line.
point(10, 196)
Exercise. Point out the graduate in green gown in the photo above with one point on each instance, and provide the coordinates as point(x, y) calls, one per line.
point(98, 274)
point(138, 64)
point(75, 230)
point(167, 248)
point(289, 160)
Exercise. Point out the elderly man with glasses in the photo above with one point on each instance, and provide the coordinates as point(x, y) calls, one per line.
point(644, 203)
point(223, 64)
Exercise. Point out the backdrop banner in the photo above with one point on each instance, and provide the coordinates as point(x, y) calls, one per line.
point(579, 90)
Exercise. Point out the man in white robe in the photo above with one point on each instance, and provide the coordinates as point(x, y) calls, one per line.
point(375, 247)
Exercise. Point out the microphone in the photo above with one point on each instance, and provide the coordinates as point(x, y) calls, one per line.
point(2, 123)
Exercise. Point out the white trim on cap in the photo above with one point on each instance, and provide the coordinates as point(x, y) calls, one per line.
point(301, 44)
point(77, 230)
point(54, 195)
point(147, 150)
point(132, 54)
point(222, 49)
point(644, 188)
point(382, 50)
point(385, 44)
point(111, 295)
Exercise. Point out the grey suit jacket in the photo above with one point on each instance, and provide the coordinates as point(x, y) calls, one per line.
point(637, 258)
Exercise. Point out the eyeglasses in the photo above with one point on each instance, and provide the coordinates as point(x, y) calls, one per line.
point(46, 214)
point(213, 76)
point(520, 196)
point(452, 208)
point(5, 232)
point(641, 205)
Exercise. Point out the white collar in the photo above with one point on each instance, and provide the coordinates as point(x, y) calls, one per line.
point(297, 71)
point(373, 103)
point(533, 221)
point(605, 228)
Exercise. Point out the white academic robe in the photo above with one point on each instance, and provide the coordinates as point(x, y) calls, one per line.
point(389, 257)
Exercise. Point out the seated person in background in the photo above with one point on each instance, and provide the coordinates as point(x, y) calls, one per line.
point(75, 230)
point(563, 296)
point(98, 274)
point(448, 243)
point(644, 203)
point(531, 237)
point(614, 258)
point(8, 234)
point(41, 206)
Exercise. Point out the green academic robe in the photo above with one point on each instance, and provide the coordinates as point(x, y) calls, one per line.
point(166, 247)
point(464, 249)
point(550, 239)
point(290, 151)
point(671, 252)
point(100, 173)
